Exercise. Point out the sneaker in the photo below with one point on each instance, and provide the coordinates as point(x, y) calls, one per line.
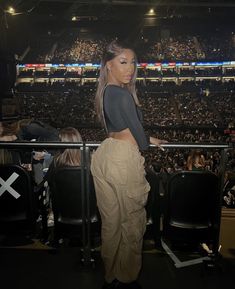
point(133, 285)
point(113, 285)
point(116, 284)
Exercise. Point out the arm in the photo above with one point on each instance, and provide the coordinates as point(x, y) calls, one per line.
point(157, 142)
point(129, 114)
point(128, 109)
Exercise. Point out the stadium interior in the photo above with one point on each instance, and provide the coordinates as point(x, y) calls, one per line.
point(50, 53)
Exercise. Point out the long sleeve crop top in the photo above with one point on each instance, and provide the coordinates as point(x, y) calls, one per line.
point(121, 112)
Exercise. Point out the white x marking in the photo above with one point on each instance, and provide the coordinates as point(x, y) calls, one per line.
point(6, 185)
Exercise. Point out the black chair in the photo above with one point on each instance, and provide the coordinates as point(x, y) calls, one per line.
point(191, 213)
point(153, 208)
point(74, 214)
point(18, 203)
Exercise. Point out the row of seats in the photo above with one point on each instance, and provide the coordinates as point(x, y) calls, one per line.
point(191, 212)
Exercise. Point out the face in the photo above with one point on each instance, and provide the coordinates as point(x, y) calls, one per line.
point(121, 68)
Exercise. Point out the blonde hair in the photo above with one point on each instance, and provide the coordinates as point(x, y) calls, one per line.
point(114, 49)
point(69, 157)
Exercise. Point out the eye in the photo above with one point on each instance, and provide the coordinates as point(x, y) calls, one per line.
point(123, 62)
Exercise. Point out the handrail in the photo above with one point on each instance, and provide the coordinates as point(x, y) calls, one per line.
point(28, 144)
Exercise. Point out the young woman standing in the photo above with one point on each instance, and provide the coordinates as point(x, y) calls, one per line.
point(118, 168)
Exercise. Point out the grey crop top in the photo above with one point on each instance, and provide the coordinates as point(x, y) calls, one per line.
point(121, 112)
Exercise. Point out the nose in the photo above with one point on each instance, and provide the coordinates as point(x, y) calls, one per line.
point(130, 68)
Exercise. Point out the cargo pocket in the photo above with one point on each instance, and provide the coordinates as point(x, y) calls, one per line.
point(137, 196)
point(116, 171)
point(138, 187)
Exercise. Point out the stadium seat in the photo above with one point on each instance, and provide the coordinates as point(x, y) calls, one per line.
point(18, 203)
point(191, 216)
point(74, 205)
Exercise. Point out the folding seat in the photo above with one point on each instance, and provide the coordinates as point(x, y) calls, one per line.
point(192, 214)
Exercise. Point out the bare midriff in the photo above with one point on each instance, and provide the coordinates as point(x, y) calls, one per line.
point(125, 135)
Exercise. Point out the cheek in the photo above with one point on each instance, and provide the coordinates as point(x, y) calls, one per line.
point(118, 71)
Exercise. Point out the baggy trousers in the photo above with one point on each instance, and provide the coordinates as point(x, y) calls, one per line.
point(121, 191)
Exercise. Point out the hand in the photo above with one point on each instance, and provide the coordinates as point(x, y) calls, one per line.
point(28, 167)
point(38, 156)
point(158, 142)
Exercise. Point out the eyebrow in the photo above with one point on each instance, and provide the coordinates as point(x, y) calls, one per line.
point(124, 58)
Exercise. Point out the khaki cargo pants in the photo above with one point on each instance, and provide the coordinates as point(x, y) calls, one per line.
point(121, 190)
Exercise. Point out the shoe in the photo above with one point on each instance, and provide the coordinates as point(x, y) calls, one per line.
point(133, 285)
point(113, 285)
point(116, 284)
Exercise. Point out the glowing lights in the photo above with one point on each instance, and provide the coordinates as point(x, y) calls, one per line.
point(11, 10)
point(74, 18)
point(151, 12)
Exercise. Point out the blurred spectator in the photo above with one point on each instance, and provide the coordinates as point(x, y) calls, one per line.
point(195, 161)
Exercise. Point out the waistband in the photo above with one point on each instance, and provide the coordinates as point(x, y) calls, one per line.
point(123, 143)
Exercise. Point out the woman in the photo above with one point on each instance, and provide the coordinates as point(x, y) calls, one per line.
point(118, 168)
point(67, 157)
point(196, 161)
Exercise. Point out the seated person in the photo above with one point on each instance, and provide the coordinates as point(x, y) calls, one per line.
point(35, 130)
point(8, 133)
point(229, 189)
point(67, 157)
point(30, 129)
point(195, 161)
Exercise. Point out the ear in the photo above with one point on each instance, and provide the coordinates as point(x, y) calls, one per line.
point(108, 64)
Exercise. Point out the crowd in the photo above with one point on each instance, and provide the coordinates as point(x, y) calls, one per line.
point(80, 51)
point(197, 110)
point(177, 48)
point(216, 48)
point(70, 47)
point(163, 105)
point(177, 117)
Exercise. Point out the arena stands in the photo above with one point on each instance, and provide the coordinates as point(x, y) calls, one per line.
point(68, 46)
point(184, 97)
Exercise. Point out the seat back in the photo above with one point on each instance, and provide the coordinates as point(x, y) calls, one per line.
point(67, 200)
point(192, 204)
point(153, 207)
point(17, 200)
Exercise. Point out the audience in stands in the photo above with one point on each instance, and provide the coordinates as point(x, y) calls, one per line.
point(69, 46)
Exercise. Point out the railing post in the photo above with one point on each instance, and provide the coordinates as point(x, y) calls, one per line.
point(88, 202)
point(84, 239)
point(223, 161)
point(87, 258)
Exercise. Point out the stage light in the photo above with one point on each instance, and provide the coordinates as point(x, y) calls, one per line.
point(11, 10)
point(74, 18)
point(151, 12)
